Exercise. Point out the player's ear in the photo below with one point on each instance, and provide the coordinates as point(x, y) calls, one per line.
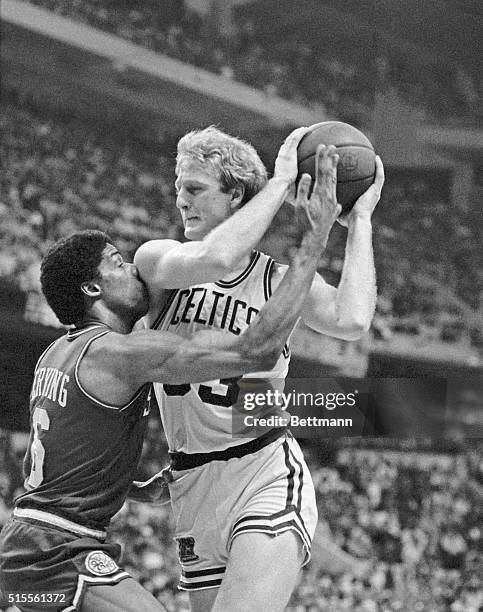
point(237, 194)
point(91, 289)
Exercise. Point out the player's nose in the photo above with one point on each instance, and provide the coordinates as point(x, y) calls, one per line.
point(181, 203)
point(183, 199)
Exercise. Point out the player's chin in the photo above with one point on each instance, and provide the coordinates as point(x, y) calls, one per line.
point(192, 232)
point(142, 306)
point(142, 300)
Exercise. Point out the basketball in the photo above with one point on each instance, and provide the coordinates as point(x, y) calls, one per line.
point(356, 167)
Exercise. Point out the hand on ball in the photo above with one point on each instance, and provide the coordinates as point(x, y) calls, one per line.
point(321, 207)
point(356, 168)
point(366, 203)
point(286, 162)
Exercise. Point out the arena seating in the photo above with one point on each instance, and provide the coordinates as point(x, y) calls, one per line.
point(60, 175)
point(311, 70)
point(416, 516)
point(414, 513)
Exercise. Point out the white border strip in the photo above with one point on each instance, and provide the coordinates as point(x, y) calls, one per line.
point(58, 521)
point(84, 581)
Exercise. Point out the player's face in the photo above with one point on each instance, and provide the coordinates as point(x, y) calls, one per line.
point(122, 289)
point(200, 200)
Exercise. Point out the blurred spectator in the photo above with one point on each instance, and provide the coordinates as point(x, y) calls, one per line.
point(453, 549)
point(310, 69)
point(59, 175)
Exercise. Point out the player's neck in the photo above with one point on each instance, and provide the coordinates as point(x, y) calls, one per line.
point(110, 319)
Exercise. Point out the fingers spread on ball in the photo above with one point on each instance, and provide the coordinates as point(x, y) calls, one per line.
point(290, 198)
point(303, 190)
point(326, 171)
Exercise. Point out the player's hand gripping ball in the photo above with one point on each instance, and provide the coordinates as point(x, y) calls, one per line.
point(357, 159)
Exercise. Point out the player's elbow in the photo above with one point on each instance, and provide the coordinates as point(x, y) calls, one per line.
point(353, 329)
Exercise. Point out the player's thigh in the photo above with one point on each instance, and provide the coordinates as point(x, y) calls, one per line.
point(126, 596)
point(261, 573)
point(202, 601)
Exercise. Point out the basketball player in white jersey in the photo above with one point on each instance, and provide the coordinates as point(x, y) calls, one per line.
point(230, 496)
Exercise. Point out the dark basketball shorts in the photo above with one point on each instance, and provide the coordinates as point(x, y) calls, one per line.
point(48, 566)
point(269, 491)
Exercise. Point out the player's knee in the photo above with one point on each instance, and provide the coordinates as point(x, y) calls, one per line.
point(266, 553)
point(202, 601)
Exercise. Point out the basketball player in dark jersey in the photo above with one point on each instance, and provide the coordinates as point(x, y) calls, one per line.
point(89, 404)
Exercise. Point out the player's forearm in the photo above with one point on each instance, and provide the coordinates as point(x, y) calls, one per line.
point(276, 320)
point(240, 233)
point(356, 294)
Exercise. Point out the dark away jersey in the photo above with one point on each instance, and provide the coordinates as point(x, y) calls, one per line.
point(82, 453)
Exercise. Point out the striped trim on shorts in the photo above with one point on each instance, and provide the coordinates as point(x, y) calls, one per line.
point(202, 579)
point(290, 518)
point(267, 491)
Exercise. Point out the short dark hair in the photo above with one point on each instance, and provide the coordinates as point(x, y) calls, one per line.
point(69, 263)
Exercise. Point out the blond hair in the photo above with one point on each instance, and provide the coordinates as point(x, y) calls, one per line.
point(234, 161)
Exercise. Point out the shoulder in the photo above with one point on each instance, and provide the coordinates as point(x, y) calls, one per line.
point(149, 253)
point(115, 356)
point(109, 371)
point(275, 272)
point(106, 353)
point(150, 259)
point(269, 263)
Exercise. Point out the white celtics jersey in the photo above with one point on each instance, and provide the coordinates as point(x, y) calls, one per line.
point(197, 417)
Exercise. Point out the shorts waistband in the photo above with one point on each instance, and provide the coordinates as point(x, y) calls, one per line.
point(52, 520)
point(187, 461)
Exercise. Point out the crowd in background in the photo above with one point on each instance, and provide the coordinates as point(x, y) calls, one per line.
point(314, 69)
point(60, 174)
point(414, 517)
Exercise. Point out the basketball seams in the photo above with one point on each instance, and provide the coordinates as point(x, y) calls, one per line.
point(346, 180)
point(341, 146)
point(360, 178)
point(357, 158)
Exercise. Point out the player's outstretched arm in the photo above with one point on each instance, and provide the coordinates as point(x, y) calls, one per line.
point(346, 312)
point(207, 354)
point(150, 355)
point(168, 264)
